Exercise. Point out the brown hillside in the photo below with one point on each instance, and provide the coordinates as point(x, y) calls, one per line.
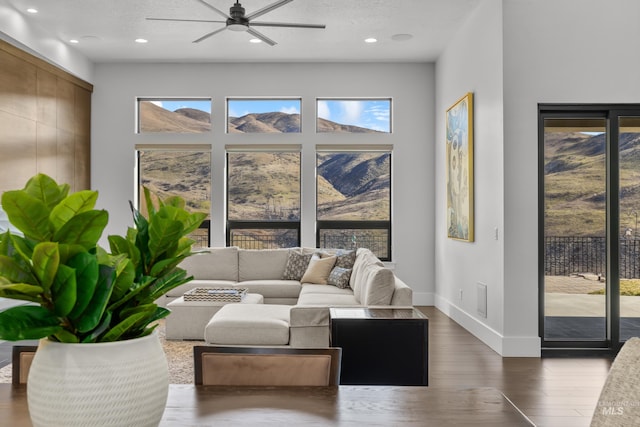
point(329, 126)
point(156, 119)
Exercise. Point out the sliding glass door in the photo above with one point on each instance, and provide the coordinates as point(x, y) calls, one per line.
point(589, 236)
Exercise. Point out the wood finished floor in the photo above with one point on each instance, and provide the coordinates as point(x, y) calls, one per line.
point(551, 391)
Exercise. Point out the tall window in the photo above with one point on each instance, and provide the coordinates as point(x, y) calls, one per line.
point(354, 198)
point(263, 196)
point(178, 170)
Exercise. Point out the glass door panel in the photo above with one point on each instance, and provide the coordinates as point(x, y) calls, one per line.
point(629, 208)
point(575, 226)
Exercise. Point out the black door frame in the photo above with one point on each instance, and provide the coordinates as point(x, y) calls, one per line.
point(611, 113)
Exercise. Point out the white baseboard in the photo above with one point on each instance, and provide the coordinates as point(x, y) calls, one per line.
point(504, 346)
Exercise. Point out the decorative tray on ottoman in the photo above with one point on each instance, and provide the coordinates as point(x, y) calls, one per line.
point(215, 294)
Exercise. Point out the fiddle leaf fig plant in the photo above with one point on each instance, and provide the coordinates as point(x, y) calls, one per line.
point(77, 291)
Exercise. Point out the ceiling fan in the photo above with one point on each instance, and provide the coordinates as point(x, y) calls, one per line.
point(236, 20)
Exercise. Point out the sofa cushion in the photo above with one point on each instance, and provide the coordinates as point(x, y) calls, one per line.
point(258, 264)
point(326, 299)
point(296, 266)
point(318, 270)
point(272, 288)
point(364, 259)
point(216, 263)
point(378, 287)
point(249, 324)
point(339, 277)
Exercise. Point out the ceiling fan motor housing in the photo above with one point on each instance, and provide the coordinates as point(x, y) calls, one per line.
point(237, 22)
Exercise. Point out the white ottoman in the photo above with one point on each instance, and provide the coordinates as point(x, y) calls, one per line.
point(189, 318)
point(246, 324)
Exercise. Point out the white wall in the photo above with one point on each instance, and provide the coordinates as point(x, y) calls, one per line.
point(410, 85)
point(17, 31)
point(472, 62)
point(565, 51)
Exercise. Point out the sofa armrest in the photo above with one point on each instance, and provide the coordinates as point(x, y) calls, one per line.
point(402, 294)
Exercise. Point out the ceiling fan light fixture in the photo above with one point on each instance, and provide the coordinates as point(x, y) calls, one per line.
point(236, 27)
point(255, 40)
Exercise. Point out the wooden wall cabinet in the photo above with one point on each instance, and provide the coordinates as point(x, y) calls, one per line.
point(45, 122)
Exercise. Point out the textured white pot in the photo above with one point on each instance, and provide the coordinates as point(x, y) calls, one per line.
point(123, 383)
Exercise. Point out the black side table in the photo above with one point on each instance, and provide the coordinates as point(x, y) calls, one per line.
point(381, 346)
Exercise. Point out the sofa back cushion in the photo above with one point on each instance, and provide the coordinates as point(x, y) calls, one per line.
point(216, 264)
point(372, 283)
point(262, 264)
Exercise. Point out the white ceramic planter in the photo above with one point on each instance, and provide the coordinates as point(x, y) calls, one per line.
point(123, 383)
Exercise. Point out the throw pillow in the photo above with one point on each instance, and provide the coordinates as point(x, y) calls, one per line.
point(345, 258)
point(318, 270)
point(339, 277)
point(296, 266)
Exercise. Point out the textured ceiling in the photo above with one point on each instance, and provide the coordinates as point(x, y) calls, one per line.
point(107, 29)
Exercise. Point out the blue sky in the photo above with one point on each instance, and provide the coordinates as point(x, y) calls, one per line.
point(202, 105)
point(367, 113)
point(242, 107)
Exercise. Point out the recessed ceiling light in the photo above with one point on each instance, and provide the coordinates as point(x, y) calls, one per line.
point(141, 40)
point(32, 10)
point(255, 41)
point(74, 41)
point(401, 37)
point(370, 40)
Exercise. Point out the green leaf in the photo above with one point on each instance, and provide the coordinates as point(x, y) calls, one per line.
point(83, 229)
point(86, 271)
point(15, 272)
point(104, 325)
point(90, 318)
point(125, 276)
point(45, 189)
point(28, 214)
point(79, 202)
point(66, 337)
point(69, 251)
point(28, 322)
point(151, 210)
point(64, 290)
point(164, 233)
point(193, 221)
point(46, 259)
point(131, 321)
point(21, 291)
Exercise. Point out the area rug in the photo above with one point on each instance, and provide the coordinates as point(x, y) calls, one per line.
point(179, 358)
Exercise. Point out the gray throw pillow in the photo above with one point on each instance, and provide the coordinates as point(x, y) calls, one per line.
point(346, 258)
point(339, 277)
point(296, 266)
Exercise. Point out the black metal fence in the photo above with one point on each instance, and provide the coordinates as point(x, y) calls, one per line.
point(579, 255)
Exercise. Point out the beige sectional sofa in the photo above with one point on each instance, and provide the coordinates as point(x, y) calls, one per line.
point(305, 301)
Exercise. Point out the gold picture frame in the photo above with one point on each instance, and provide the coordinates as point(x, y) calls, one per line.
point(459, 159)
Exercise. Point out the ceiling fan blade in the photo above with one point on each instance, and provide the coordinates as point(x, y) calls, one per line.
point(206, 36)
point(215, 9)
point(185, 20)
point(261, 36)
point(285, 24)
point(267, 8)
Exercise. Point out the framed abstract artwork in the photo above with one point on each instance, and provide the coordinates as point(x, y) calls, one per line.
point(459, 160)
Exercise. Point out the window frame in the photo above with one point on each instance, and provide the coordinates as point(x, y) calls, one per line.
point(259, 98)
point(362, 98)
